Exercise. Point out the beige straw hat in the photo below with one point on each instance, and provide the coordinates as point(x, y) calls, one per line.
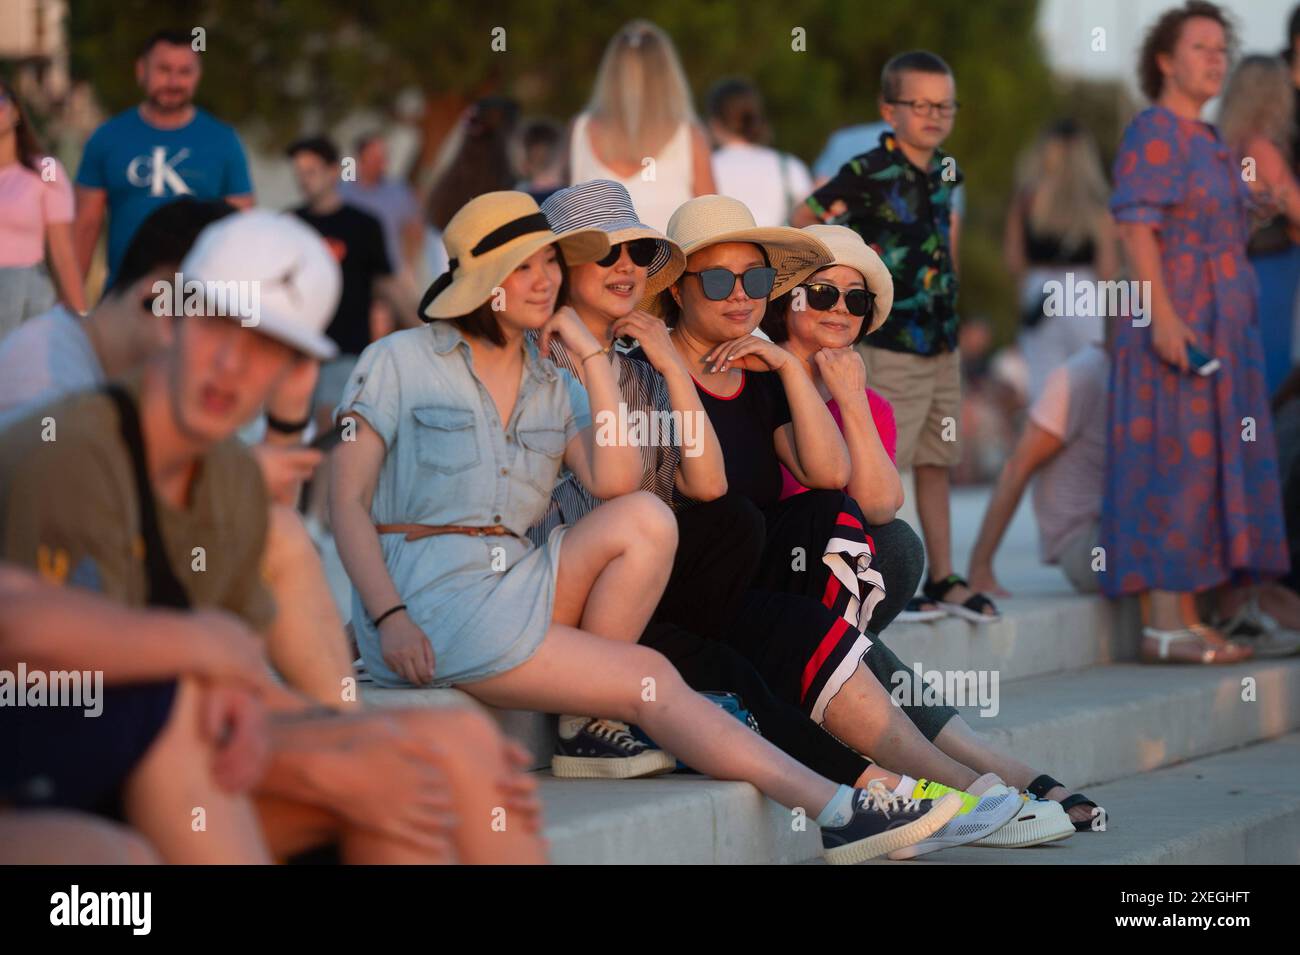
point(848, 248)
point(488, 239)
point(712, 220)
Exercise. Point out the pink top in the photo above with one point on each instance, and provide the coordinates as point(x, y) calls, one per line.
point(882, 413)
point(29, 202)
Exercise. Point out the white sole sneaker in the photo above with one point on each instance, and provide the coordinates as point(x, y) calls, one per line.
point(997, 807)
point(1039, 821)
point(896, 840)
point(652, 762)
point(974, 616)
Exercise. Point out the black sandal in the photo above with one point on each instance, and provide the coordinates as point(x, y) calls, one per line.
point(974, 607)
point(1041, 786)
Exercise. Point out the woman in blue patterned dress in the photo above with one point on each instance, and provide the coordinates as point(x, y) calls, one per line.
point(1192, 495)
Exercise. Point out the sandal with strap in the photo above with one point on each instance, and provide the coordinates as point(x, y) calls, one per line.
point(1044, 784)
point(1209, 654)
point(916, 611)
point(974, 607)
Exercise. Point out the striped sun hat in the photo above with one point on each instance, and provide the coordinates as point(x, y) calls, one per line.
point(605, 205)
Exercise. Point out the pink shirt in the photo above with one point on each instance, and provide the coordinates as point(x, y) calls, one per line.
point(28, 204)
point(882, 413)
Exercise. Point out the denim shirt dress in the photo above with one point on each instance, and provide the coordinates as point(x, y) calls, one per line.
point(484, 603)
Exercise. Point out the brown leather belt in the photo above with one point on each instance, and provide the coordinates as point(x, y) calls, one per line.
point(415, 532)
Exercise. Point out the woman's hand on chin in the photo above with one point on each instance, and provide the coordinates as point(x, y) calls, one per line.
point(572, 333)
point(749, 353)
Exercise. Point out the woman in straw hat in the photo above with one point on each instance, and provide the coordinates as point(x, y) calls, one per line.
point(833, 310)
point(701, 607)
point(460, 432)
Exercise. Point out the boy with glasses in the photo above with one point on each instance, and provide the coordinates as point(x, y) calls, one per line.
point(898, 197)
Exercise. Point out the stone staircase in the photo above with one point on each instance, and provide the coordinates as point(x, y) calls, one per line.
point(1190, 767)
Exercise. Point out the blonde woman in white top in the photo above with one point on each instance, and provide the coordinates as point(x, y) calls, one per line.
point(640, 129)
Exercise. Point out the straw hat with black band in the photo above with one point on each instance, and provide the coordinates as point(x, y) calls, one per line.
point(712, 220)
point(491, 236)
point(848, 248)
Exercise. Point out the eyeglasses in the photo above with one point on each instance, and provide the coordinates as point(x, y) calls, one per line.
point(641, 251)
point(823, 296)
point(923, 107)
point(718, 283)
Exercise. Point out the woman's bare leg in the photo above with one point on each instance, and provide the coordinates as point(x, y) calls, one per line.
point(614, 565)
point(863, 715)
point(574, 671)
point(174, 779)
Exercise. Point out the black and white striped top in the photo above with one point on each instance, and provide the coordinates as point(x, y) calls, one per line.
point(643, 389)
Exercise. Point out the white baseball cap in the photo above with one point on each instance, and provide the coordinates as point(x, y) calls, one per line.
point(295, 282)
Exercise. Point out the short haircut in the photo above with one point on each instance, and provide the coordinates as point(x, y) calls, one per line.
point(913, 61)
point(321, 146)
point(170, 37)
point(164, 238)
point(1163, 37)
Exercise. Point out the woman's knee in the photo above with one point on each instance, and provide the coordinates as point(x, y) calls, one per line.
point(657, 679)
point(646, 519)
point(902, 555)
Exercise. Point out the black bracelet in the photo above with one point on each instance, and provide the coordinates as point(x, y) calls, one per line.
point(287, 427)
point(388, 613)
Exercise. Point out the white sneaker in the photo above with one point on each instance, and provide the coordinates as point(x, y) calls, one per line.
point(1039, 821)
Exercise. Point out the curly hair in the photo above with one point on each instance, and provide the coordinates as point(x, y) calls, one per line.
point(1164, 35)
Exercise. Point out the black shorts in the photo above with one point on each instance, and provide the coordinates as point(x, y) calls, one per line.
point(55, 757)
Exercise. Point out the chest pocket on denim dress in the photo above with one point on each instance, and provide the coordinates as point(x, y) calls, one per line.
point(544, 448)
point(445, 439)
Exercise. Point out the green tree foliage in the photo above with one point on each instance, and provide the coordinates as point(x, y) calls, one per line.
point(278, 67)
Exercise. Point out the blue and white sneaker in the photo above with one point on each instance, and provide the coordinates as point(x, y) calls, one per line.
point(589, 748)
point(884, 822)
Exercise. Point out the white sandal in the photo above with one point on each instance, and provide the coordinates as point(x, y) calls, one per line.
point(1166, 637)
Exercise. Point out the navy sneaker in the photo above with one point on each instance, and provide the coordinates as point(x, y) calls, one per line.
point(605, 749)
point(884, 822)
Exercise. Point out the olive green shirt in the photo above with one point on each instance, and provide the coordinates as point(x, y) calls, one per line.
point(68, 509)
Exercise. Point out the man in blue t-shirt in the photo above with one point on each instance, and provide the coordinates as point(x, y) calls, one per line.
point(147, 156)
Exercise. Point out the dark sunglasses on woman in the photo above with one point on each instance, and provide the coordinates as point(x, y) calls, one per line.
point(718, 283)
point(640, 251)
point(823, 297)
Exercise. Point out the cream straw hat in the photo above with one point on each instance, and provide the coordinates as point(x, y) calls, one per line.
point(712, 220)
point(848, 248)
point(488, 239)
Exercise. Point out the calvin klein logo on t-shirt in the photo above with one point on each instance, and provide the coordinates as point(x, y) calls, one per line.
point(158, 173)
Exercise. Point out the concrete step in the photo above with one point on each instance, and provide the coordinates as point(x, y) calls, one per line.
point(1087, 728)
point(1108, 723)
point(1037, 635)
point(1239, 807)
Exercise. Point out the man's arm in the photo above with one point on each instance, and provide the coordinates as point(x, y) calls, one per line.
point(91, 204)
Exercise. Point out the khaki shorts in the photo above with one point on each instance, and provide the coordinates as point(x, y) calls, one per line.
point(925, 391)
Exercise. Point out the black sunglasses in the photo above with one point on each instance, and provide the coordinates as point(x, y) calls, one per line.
point(823, 297)
point(640, 251)
point(718, 283)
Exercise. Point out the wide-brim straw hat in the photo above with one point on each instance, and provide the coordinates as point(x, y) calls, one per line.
point(606, 205)
point(488, 239)
point(848, 248)
point(712, 220)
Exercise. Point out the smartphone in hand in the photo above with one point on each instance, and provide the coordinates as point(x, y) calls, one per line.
point(1201, 363)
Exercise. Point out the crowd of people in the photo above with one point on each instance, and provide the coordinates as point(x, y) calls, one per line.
point(635, 458)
